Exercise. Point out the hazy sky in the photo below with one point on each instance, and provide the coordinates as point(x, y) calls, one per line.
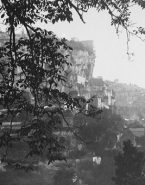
point(111, 52)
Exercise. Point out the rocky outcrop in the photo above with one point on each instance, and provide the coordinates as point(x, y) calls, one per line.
point(79, 74)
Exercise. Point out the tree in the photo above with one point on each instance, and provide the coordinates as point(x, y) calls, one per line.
point(41, 59)
point(101, 133)
point(64, 176)
point(92, 174)
point(35, 64)
point(129, 166)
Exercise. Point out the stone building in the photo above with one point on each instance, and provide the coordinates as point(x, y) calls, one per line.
point(103, 96)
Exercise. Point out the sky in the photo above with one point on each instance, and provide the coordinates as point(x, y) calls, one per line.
point(112, 61)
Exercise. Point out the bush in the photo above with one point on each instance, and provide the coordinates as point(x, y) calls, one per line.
point(63, 176)
point(76, 154)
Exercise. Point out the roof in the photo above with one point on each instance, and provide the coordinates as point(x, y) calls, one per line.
point(127, 135)
point(13, 123)
point(79, 97)
point(135, 125)
point(139, 132)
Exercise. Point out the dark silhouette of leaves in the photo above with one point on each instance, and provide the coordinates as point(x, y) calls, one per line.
point(36, 64)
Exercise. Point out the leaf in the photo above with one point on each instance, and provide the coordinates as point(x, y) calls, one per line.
point(2, 16)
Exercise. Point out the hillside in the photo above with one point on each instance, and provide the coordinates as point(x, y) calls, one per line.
point(130, 100)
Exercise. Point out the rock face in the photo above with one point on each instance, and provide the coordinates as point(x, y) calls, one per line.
point(82, 59)
point(83, 64)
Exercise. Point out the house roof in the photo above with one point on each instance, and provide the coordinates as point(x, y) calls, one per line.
point(139, 132)
point(127, 135)
point(136, 124)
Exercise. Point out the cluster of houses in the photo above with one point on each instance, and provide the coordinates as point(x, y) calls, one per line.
point(134, 132)
point(130, 100)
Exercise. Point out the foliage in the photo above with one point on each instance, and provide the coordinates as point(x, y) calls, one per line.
point(41, 73)
point(92, 174)
point(34, 10)
point(40, 176)
point(101, 133)
point(63, 176)
point(37, 63)
point(77, 154)
point(129, 166)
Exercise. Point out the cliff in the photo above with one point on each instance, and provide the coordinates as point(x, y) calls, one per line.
point(82, 59)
